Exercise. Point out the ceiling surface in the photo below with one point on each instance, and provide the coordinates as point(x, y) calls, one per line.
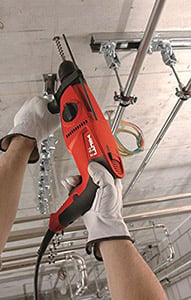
point(27, 52)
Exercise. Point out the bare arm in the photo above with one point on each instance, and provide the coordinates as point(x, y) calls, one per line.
point(32, 124)
point(128, 276)
point(12, 169)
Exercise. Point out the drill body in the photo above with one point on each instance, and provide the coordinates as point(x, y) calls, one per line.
point(88, 138)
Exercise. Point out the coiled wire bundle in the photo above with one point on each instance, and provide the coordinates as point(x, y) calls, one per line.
point(130, 128)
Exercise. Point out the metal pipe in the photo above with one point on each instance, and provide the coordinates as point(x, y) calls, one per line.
point(154, 145)
point(64, 249)
point(81, 267)
point(31, 218)
point(39, 232)
point(117, 118)
point(60, 250)
point(177, 77)
point(158, 214)
point(188, 86)
point(94, 269)
point(33, 254)
point(171, 254)
point(158, 200)
point(19, 257)
point(36, 245)
point(32, 260)
point(83, 282)
point(118, 79)
point(34, 218)
point(20, 247)
point(142, 51)
point(147, 227)
point(27, 274)
point(159, 137)
point(178, 270)
point(70, 248)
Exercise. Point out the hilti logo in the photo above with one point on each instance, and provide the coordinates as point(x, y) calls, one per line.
point(92, 149)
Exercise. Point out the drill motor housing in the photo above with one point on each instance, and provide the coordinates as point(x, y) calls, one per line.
point(87, 136)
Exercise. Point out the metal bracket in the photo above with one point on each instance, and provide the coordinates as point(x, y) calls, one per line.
point(165, 47)
point(113, 62)
point(183, 94)
point(169, 58)
point(111, 57)
point(50, 84)
point(130, 41)
point(124, 101)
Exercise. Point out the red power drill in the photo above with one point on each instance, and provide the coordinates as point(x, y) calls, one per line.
point(88, 138)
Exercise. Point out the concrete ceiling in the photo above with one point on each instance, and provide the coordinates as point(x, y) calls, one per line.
point(27, 52)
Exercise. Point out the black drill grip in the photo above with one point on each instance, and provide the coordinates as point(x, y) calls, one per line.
point(81, 204)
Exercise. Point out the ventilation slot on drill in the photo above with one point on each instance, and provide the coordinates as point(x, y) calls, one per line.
point(117, 166)
point(80, 125)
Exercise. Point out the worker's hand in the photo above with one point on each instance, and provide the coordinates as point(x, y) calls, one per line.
point(33, 120)
point(104, 219)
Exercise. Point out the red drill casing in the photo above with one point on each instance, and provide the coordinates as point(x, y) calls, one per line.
point(88, 137)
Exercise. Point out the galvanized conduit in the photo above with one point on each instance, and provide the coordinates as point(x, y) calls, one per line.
point(30, 255)
point(81, 266)
point(170, 257)
point(81, 284)
point(158, 200)
point(158, 214)
point(141, 53)
point(36, 245)
point(68, 248)
point(31, 260)
point(28, 274)
point(167, 279)
point(175, 273)
point(39, 232)
point(154, 146)
point(158, 139)
point(25, 258)
point(129, 203)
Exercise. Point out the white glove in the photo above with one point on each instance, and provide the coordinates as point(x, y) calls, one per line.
point(33, 120)
point(104, 220)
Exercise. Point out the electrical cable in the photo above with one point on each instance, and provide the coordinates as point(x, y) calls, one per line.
point(134, 130)
point(130, 128)
point(44, 244)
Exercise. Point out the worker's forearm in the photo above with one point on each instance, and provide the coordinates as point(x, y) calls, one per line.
point(12, 168)
point(129, 277)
